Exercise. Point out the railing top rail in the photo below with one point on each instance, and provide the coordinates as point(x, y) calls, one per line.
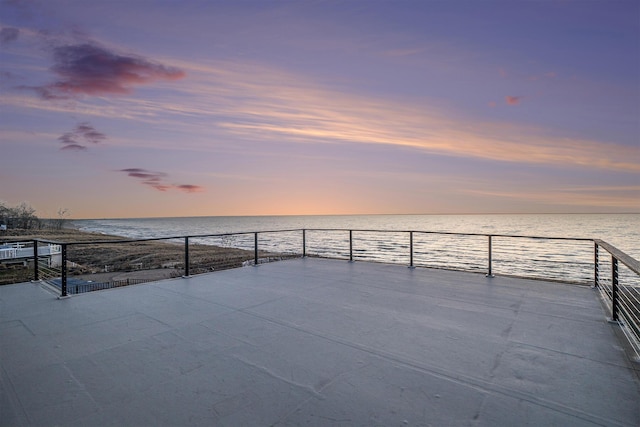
point(196, 236)
point(632, 263)
point(51, 242)
point(455, 233)
point(450, 233)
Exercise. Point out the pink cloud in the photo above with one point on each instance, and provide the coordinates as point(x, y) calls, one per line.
point(88, 69)
point(513, 100)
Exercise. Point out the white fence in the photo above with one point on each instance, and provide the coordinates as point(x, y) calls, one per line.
point(16, 251)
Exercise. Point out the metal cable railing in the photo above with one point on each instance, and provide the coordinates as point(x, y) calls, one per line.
point(571, 260)
point(617, 277)
point(26, 259)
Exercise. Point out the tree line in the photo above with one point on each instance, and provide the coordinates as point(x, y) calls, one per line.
point(24, 216)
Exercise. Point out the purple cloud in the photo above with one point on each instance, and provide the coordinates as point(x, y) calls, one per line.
point(74, 147)
point(8, 35)
point(157, 181)
point(144, 174)
point(83, 132)
point(88, 69)
point(188, 188)
point(67, 138)
point(7, 75)
point(89, 133)
point(147, 177)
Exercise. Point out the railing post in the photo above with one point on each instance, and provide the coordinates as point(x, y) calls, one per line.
point(350, 245)
point(63, 274)
point(304, 243)
point(490, 259)
point(36, 275)
point(411, 249)
point(614, 289)
point(255, 248)
point(186, 256)
point(596, 266)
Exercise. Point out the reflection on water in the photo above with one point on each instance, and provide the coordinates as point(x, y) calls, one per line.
point(552, 259)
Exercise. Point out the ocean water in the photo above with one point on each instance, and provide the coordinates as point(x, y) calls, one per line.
point(389, 241)
point(621, 230)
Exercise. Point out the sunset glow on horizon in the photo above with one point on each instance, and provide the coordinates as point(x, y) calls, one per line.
point(114, 109)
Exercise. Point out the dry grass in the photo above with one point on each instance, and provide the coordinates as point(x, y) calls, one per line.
point(116, 261)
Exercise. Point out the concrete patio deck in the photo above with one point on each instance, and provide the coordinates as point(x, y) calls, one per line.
point(315, 342)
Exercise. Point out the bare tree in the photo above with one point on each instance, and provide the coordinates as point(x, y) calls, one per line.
point(21, 216)
point(58, 223)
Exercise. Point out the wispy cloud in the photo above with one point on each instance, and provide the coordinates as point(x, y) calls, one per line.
point(586, 196)
point(89, 69)
point(82, 134)
point(157, 180)
point(284, 107)
point(228, 99)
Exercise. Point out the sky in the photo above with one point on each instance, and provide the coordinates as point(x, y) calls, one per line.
point(141, 108)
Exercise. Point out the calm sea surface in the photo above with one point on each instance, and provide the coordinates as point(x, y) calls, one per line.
point(621, 230)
